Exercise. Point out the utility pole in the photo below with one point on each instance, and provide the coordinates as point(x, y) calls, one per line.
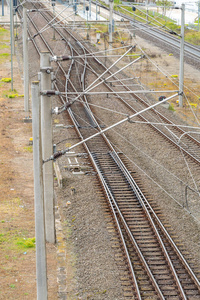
point(84, 6)
point(87, 9)
point(181, 71)
point(147, 15)
point(90, 9)
point(25, 60)
point(111, 2)
point(2, 8)
point(11, 41)
point(53, 3)
point(41, 268)
point(47, 146)
point(96, 11)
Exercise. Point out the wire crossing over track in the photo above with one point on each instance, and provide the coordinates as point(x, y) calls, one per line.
point(156, 266)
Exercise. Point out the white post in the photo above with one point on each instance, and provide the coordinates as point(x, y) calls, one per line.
point(11, 41)
point(84, 6)
point(41, 268)
point(90, 9)
point(96, 11)
point(181, 71)
point(111, 3)
point(47, 146)
point(25, 60)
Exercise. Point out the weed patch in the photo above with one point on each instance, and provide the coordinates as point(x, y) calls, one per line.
point(28, 149)
point(24, 243)
point(6, 79)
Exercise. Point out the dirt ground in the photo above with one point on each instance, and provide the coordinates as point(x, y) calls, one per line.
point(17, 247)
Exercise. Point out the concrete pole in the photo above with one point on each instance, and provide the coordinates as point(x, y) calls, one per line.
point(181, 71)
point(111, 2)
point(47, 146)
point(54, 31)
point(84, 6)
point(41, 268)
point(25, 60)
point(96, 11)
point(11, 41)
point(90, 9)
point(2, 8)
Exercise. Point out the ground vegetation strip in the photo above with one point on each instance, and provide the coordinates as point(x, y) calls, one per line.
point(17, 233)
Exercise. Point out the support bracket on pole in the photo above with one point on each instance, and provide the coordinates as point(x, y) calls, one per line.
point(47, 70)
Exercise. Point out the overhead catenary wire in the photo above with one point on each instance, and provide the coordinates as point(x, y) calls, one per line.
point(156, 163)
point(160, 27)
point(60, 153)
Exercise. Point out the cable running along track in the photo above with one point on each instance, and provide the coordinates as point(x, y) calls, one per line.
point(156, 266)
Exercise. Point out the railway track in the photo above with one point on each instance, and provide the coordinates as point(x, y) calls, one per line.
point(176, 136)
point(163, 34)
point(156, 267)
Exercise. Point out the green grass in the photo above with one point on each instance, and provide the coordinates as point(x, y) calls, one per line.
point(28, 149)
point(6, 79)
point(13, 240)
point(12, 286)
point(11, 94)
point(158, 19)
point(3, 46)
point(24, 243)
point(171, 107)
point(4, 54)
point(3, 31)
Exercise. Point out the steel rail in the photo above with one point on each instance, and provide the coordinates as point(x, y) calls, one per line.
point(133, 241)
point(144, 119)
point(141, 256)
point(171, 265)
point(138, 193)
point(152, 125)
point(139, 98)
point(145, 203)
point(190, 49)
point(107, 191)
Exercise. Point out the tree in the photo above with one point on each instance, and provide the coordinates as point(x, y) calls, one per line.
point(164, 4)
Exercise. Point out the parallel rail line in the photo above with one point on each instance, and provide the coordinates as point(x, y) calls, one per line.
point(157, 268)
point(167, 38)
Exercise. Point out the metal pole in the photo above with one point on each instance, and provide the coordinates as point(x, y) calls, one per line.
point(11, 41)
point(16, 34)
point(84, 6)
point(41, 268)
point(54, 24)
point(111, 23)
point(198, 12)
point(47, 146)
point(2, 8)
point(96, 11)
point(25, 60)
point(181, 71)
point(75, 7)
point(87, 8)
point(90, 9)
